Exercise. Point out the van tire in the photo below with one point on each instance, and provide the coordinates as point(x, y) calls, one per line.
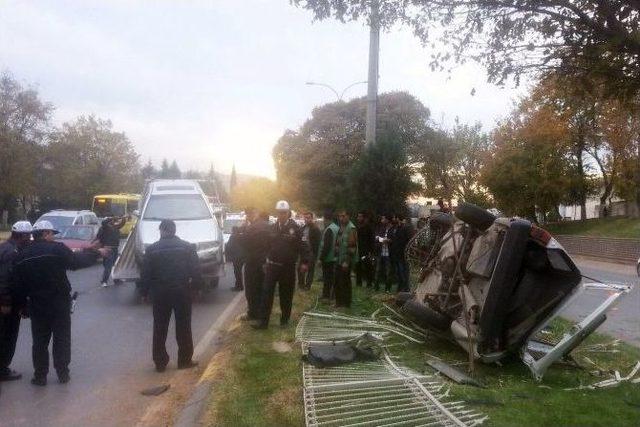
point(475, 216)
point(425, 316)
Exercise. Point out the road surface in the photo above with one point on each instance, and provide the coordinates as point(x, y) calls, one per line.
point(624, 319)
point(110, 359)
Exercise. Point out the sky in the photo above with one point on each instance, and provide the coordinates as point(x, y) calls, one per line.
point(217, 82)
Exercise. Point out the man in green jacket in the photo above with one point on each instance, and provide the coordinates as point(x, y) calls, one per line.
point(346, 249)
point(327, 255)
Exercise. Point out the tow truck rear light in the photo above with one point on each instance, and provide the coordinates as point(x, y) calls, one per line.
point(540, 235)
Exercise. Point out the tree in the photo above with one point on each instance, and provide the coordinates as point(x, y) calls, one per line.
point(174, 171)
point(595, 40)
point(381, 179)
point(165, 171)
point(86, 157)
point(450, 163)
point(24, 124)
point(529, 172)
point(149, 171)
point(314, 163)
point(260, 193)
point(233, 181)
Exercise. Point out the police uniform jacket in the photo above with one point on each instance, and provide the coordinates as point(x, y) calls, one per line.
point(8, 254)
point(41, 274)
point(285, 244)
point(170, 264)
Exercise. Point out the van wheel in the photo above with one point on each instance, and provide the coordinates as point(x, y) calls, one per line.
point(425, 316)
point(475, 216)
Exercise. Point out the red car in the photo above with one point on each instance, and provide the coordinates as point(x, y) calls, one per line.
point(77, 237)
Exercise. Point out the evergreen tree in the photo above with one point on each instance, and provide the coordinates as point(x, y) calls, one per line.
point(233, 181)
point(164, 169)
point(174, 171)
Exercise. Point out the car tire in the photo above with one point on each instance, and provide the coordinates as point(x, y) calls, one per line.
point(475, 216)
point(425, 316)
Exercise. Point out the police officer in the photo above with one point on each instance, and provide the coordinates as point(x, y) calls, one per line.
point(285, 245)
point(40, 273)
point(10, 310)
point(255, 243)
point(170, 271)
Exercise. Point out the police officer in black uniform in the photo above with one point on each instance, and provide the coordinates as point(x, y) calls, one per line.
point(285, 246)
point(10, 310)
point(255, 243)
point(41, 275)
point(170, 272)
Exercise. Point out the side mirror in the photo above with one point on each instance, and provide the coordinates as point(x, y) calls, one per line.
point(136, 213)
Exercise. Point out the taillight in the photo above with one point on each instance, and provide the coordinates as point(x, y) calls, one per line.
point(540, 235)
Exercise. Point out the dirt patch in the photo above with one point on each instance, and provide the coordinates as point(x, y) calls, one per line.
point(281, 347)
point(282, 401)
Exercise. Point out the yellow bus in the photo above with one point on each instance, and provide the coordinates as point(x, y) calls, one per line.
point(117, 205)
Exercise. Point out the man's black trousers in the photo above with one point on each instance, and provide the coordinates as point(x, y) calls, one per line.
point(52, 322)
point(164, 303)
point(9, 328)
point(343, 286)
point(305, 279)
point(284, 276)
point(328, 279)
point(237, 273)
point(364, 271)
point(253, 281)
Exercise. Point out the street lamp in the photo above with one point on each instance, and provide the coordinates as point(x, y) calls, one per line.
point(339, 96)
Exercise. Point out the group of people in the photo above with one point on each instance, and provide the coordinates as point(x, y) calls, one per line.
point(268, 255)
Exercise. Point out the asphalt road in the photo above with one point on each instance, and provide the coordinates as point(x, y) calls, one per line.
point(110, 359)
point(623, 320)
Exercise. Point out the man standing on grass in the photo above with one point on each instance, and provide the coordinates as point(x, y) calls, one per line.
point(255, 243)
point(285, 246)
point(346, 257)
point(327, 255)
point(310, 236)
point(170, 272)
point(366, 243)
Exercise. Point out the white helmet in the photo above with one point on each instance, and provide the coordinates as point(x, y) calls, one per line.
point(23, 227)
point(283, 205)
point(44, 225)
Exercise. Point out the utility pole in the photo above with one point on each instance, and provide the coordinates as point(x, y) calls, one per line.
point(372, 94)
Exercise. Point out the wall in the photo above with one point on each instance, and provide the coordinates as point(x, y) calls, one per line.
point(625, 250)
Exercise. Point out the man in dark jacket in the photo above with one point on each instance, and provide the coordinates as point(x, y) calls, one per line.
point(170, 270)
point(285, 246)
point(383, 242)
point(235, 254)
point(401, 235)
point(327, 255)
point(41, 275)
point(108, 237)
point(255, 243)
point(10, 310)
point(366, 245)
point(311, 235)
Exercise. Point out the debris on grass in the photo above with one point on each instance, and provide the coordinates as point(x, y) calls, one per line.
point(612, 382)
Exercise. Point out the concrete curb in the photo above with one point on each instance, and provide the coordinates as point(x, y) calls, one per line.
point(193, 408)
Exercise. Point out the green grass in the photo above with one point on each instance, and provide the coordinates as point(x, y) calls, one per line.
point(604, 227)
point(260, 387)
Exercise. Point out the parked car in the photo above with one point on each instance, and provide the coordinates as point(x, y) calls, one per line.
point(78, 237)
point(61, 219)
point(184, 202)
